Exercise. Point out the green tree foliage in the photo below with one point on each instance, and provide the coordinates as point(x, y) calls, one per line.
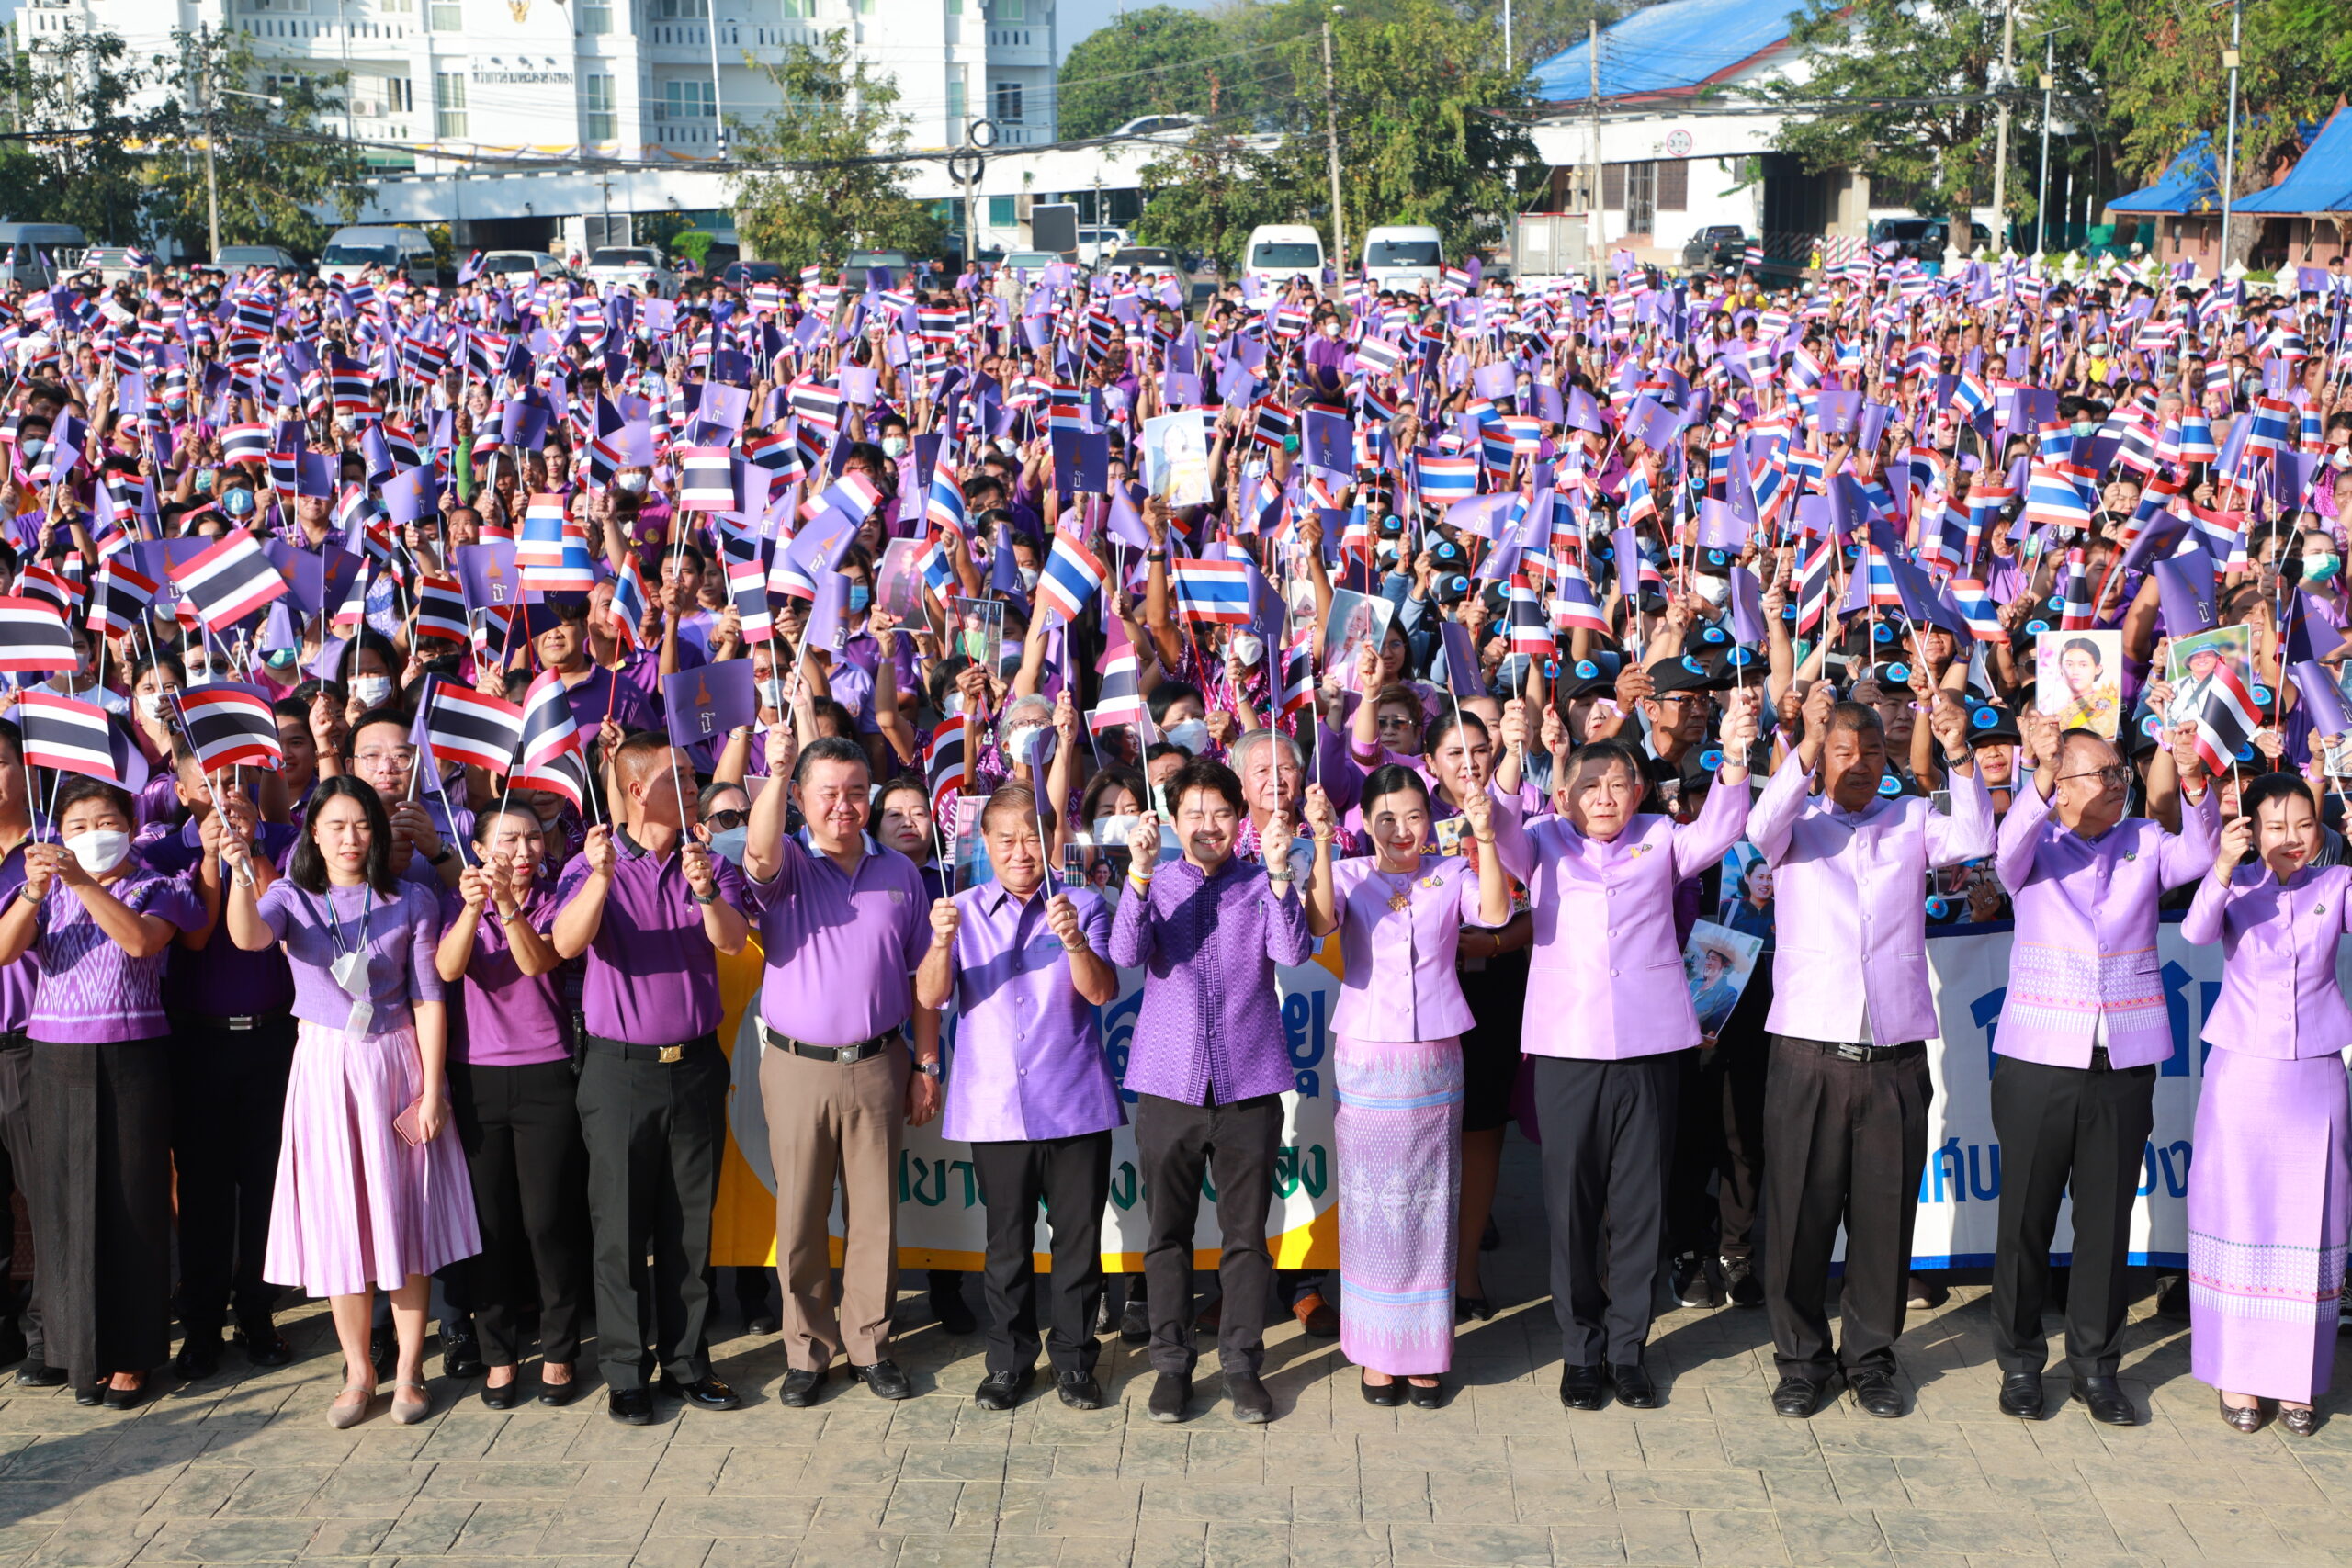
point(273, 165)
point(81, 84)
point(1541, 29)
point(824, 191)
point(1145, 63)
point(1208, 194)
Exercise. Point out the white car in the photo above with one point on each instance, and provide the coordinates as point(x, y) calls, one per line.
point(505, 266)
point(1097, 246)
point(638, 267)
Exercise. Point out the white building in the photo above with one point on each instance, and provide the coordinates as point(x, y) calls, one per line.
point(435, 83)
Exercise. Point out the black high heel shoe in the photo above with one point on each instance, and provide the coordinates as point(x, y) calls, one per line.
point(1387, 1395)
point(1478, 1307)
point(1425, 1397)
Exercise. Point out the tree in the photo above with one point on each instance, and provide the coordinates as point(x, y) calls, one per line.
point(822, 183)
point(1208, 194)
point(273, 166)
point(83, 85)
point(1541, 29)
point(1155, 60)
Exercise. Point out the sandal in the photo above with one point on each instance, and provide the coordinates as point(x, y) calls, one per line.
point(341, 1416)
point(409, 1412)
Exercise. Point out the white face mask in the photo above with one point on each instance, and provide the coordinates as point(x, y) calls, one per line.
point(1714, 589)
point(1028, 578)
point(894, 446)
point(371, 690)
point(150, 705)
point(1249, 648)
point(1192, 736)
point(633, 484)
point(101, 852)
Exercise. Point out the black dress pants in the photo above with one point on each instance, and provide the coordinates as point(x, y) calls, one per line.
point(1850, 1140)
point(1719, 1133)
point(520, 1126)
point(1072, 1178)
point(1608, 1146)
point(2066, 1130)
point(17, 1165)
point(102, 1124)
point(228, 1122)
point(1233, 1145)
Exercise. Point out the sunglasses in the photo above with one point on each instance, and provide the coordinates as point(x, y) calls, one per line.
point(727, 821)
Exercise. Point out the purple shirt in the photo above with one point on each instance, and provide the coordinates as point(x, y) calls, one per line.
point(222, 980)
point(652, 975)
point(401, 932)
point(91, 990)
point(1029, 1061)
point(17, 980)
point(601, 693)
point(512, 1020)
point(1397, 980)
point(1210, 1029)
point(2085, 957)
point(2279, 997)
point(841, 950)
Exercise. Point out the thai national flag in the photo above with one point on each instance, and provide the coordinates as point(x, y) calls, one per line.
point(552, 555)
point(1815, 578)
point(74, 736)
point(120, 597)
point(944, 506)
point(1070, 578)
point(629, 601)
point(2075, 596)
point(1976, 607)
point(1120, 699)
point(706, 479)
point(467, 727)
point(228, 581)
point(2226, 727)
point(747, 589)
point(1445, 480)
point(229, 726)
point(1298, 668)
point(441, 609)
point(1574, 608)
point(549, 755)
point(244, 444)
point(2197, 444)
point(2051, 496)
point(1529, 633)
point(1213, 591)
point(945, 767)
point(1969, 396)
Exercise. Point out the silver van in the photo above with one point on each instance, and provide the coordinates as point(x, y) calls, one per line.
point(395, 246)
point(38, 254)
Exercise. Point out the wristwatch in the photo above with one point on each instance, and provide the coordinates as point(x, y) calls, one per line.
point(711, 897)
point(930, 1069)
point(441, 859)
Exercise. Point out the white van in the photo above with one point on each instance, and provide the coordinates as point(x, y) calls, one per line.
point(1279, 252)
point(352, 250)
point(1403, 255)
point(37, 254)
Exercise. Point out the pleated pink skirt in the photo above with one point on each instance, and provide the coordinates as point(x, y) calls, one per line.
point(356, 1206)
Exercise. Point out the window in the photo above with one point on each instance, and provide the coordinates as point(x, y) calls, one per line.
point(689, 100)
point(958, 109)
point(596, 20)
point(1002, 212)
point(1674, 184)
point(448, 105)
point(1011, 10)
point(1007, 102)
point(394, 7)
point(596, 106)
point(446, 16)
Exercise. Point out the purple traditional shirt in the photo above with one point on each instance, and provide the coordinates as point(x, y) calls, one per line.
point(1210, 1029)
point(223, 980)
point(651, 976)
point(1399, 981)
point(20, 979)
point(512, 1020)
point(2084, 969)
point(841, 950)
point(2279, 997)
point(1029, 1061)
point(399, 932)
point(91, 990)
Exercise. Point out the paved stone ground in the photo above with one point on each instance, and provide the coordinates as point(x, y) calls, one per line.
point(247, 1470)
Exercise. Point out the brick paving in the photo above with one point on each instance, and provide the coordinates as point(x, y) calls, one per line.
point(244, 1469)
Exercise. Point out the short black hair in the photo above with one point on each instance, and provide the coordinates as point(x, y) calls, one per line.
point(81, 787)
point(830, 748)
point(2263, 788)
point(309, 867)
point(1394, 778)
point(1205, 773)
point(1612, 751)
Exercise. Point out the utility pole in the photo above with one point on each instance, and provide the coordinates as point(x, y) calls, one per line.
point(717, 99)
point(1331, 148)
point(343, 26)
point(2230, 147)
point(2042, 190)
point(1507, 54)
point(204, 107)
point(1592, 190)
point(2001, 131)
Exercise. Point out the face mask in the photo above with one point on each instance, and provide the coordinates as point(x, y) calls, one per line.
point(371, 690)
point(100, 852)
point(204, 482)
point(1032, 744)
point(1114, 829)
point(278, 659)
point(1028, 578)
point(728, 845)
point(894, 446)
point(1249, 648)
point(633, 484)
point(860, 595)
point(1330, 329)
point(150, 705)
point(953, 706)
point(1192, 736)
point(1714, 589)
point(238, 503)
point(33, 447)
point(2319, 569)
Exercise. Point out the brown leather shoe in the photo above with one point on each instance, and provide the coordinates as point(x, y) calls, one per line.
point(2244, 1418)
point(2301, 1420)
point(1321, 1318)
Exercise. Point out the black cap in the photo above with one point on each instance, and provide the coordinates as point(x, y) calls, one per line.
point(1686, 674)
point(1990, 724)
point(1593, 676)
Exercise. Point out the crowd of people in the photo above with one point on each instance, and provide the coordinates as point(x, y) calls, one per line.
point(418, 694)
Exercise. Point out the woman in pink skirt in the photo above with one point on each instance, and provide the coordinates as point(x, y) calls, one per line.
point(1397, 1064)
point(369, 1191)
point(2270, 1191)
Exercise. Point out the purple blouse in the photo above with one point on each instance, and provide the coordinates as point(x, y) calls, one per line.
point(512, 1020)
point(1399, 981)
point(400, 932)
point(91, 990)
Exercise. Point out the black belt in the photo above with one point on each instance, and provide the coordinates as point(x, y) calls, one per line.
point(15, 1039)
point(2100, 1064)
point(235, 1023)
point(846, 1055)
point(628, 1049)
point(1846, 1050)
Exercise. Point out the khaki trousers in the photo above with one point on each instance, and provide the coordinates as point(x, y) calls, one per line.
point(830, 1123)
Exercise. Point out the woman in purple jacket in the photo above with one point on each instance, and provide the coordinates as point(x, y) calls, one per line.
point(2270, 1192)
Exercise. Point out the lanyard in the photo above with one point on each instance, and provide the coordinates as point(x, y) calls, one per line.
point(334, 923)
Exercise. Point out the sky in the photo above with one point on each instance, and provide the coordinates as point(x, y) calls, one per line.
point(1078, 17)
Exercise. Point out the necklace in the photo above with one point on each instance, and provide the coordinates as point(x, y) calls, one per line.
point(1400, 897)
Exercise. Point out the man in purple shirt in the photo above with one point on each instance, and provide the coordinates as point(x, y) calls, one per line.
point(595, 693)
point(648, 908)
point(843, 922)
point(1209, 1061)
point(1030, 1092)
point(2084, 1025)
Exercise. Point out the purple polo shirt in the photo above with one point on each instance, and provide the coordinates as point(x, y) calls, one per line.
point(90, 990)
point(601, 693)
point(651, 975)
point(1029, 1061)
point(1210, 1030)
point(512, 1020)
point(841, 950)
point(222, 980)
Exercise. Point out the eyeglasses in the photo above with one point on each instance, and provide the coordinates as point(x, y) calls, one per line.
point(727, 821)
point(1395, 722)
point(2114, 777)
point(373, 758)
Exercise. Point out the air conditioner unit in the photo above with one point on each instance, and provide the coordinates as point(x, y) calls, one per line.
point(366, 108)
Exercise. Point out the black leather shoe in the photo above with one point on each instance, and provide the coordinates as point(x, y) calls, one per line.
point(1002, 1391)
point(801, 1388)
point(706, 1392)
point(124, 1398)
point(1635, 1389)
point(1797, 1397)
point(1479, 1307)
point(95, 1394)
point(885, 1379)
point(460, 1351)
point(762, 1324)
point(1387, 1395)
point(1740, 1282)
point(199, 1356)
point(1170, 1394)
point(264, 1345)
point(40, 1375)
point(2021, 1395)
point(1425, 1396)
point(2109, 1405)
point(1134, 1321)
point(1875, 1392)
point(1252, 1402)
point(954, 1317)
point(556, 1396)
point(1583, 1388)
point(633, 1406)
point(1079, 1391)
point(505, 1397)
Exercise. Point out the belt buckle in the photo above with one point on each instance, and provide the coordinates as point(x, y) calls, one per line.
point(847, 1056)
point(1850, 1052)
point(240, 1025)
point(666, 1054)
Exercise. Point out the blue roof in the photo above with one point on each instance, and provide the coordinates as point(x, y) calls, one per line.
point(1666, 48)
point(2321, 180)
point(2185, 186)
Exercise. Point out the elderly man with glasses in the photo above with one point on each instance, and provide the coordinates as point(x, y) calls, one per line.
point(2083, 1028)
